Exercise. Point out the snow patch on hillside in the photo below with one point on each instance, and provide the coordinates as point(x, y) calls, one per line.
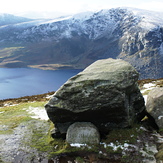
point(83, 16)
point(54, 20)
point(150, 19)
point(38, 113)
point(146, 88)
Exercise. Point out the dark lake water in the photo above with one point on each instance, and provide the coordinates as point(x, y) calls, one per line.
point(18, 82)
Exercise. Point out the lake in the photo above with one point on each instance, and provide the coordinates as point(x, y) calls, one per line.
point(18, 82)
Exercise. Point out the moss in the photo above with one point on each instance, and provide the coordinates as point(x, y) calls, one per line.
point(127, 159)
point(110, 150)
point(79, 160)
point(60, 146)
point(128, 135)
point(1, 161)
point(159, 155)
point(117, 137)
point(39, 140)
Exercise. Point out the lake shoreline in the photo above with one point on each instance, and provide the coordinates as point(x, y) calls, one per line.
point(19, 82)
point(45, 96)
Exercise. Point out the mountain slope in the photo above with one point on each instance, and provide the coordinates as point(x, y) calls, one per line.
point(130, 34)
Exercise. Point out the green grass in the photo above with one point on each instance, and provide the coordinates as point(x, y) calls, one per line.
point(12, 116)
point(39, 138)
point(38, 133)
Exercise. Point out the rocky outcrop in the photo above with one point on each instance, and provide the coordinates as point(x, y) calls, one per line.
point(83, 133)
point(105, 93)
point(155, 105)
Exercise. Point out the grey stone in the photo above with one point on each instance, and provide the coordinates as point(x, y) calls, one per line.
point(105, 93)
point(83, 133)
point(155, 105)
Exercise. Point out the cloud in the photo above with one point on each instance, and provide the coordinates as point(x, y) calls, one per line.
point(74, 6)
point(153, 5)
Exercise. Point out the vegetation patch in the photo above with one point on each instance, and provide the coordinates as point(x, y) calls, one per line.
point(159, 155)
point(128, 135)
point(26, 99)
point(52, 66)
point(115, 143)
point(158, 82)
point(13, 116)
point(9, 51)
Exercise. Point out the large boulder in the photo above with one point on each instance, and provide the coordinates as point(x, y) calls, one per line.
point(105, 93)
point(155, 105)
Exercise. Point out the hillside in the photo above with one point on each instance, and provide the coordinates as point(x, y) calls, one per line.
point(76, 41)
point(25, 128)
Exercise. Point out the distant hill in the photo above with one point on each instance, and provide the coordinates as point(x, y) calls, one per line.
point(7, 19)
point(76, 41)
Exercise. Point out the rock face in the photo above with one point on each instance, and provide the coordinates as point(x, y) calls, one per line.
point(105, 93)
point(83, 133)
point(155, 105)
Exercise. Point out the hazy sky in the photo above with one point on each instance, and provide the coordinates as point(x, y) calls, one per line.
point(74, 6)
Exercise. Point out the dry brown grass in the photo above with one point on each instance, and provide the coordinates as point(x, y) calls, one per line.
point(40, 97)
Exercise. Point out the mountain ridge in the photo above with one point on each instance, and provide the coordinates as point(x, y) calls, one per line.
point(7, 19)
point(78, 40)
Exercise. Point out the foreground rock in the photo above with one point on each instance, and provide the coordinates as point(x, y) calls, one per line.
point(155, 105)
point(83, 133)
point(105, 93)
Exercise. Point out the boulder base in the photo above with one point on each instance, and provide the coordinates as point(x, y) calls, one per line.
point(105, 93)
point(155, 105)
point(83, 133)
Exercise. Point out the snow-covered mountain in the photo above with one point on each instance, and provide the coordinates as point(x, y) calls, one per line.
point(131, 34)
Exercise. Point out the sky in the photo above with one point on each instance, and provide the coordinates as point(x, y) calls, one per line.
point(74, 6)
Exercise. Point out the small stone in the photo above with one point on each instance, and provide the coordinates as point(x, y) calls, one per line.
point(83, 133)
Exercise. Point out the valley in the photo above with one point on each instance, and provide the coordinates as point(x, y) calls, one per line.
point(76, 41)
